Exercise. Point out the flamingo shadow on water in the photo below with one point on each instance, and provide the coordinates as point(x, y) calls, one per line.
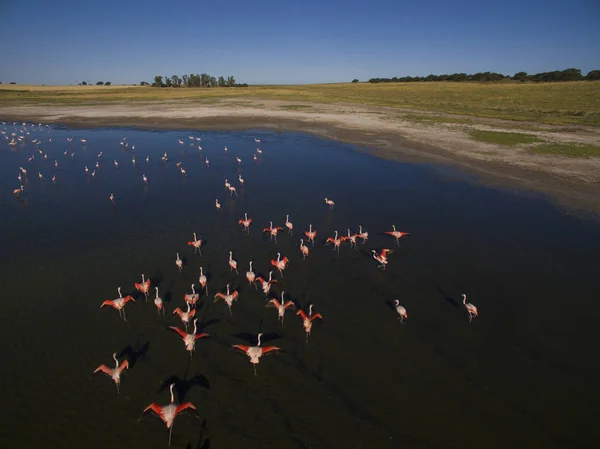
point(183, 386)
point(448, 298)
point(133, 354)
point(202, 443)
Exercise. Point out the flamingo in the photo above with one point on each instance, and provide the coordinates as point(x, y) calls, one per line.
point(241, 179)
point(362, 235)
point(54, 178)
point(381, 258)
point(203, 281)
point(232, 190)
point(144, 287)
point(336, 241)
point(311, 234)
point(228, 298)
point(396, 234)
point(159, 303)
point(281, 306)
point(239, 161)
point(289, 225)
point(226, 149)
point(257, 140)
point(256, 352)
point(401, 311)
point(232, 263)
point(186, 316)
point(470, 308)
point(273, 230)
point(227, 184)
point(119, 303)
point(112, 198)
point(193, 298)
point(18, 191)
point(218, 205)
point(280, 264)
point(351, 239)
point(303, 248)
point(246, 222)
point(196, 244)
point(116, 163)
point(133, 160)
point(307, 320)
point(144, 178)
point(207, 162)
point(259, 151)
point(266, 285)
point(330, 203)
point(250, 275)
point(189, 340)
point(169, 412)
point(179, 263)
point(114, 373)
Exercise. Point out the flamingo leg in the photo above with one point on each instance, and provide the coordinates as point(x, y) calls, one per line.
point(118, 392)
point(170, 432)
point(254, 366)
point(124, 317)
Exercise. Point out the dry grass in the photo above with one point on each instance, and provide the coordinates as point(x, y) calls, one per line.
point(552, 103)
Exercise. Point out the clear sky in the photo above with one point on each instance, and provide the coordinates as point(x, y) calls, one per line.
point(291, 41)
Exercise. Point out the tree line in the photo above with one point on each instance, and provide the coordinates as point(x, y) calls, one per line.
point(194, 80)
point(542, 77)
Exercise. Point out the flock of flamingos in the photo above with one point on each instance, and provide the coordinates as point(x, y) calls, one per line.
point(189, 331)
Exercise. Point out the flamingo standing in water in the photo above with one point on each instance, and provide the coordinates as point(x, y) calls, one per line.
point(232, 263)
point(119, 303)
point(196, 244)
point(401, 311)
point(158, 302)
point(280, 264)
point(362, 235)
point(144, 287)
point(308, 319)
point(203, 281)
point(228, 298)
point(250, 275)
point(310, 234)
point(396, 234)
point(241, 180)
point(179, 263)
point(381, 258)
point(218, 205)
point(169, 412)
point(303, 248)
point(281, 306)
point(114, 373)
point(336, 241)
point(185, 316)
point(246, 222)
point(470, 308)
point(18, 191)
point(330, 203)
point(351, 239)
point(289, 225)
point(256, 352)
point(193, 298)
point(189, 340)
point(273, 230)
point(266, 285)
point(112, 198)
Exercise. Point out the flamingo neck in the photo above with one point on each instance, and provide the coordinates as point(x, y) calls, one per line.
point(227, 289)
point(464, 299)
point(259, 335)
point(171, 390)
point(310, 310)
point(116, 360)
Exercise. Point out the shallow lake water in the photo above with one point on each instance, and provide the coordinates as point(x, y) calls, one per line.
point(521, 374)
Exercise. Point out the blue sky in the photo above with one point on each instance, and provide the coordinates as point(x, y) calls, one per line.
point(291, 41)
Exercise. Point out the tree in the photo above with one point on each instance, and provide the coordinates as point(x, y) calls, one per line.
point(99, 83)
point(157, 81)
point(185, 80)
point(167, 81)
point(355, 80)
point(107, 83)
point(144, 83)
point(221, 82)
point(520, 76)
point(593, 75)
point(230, 81)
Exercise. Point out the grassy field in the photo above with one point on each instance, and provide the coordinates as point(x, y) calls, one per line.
point(568, 149)
point(503, 138)
point(551, 103)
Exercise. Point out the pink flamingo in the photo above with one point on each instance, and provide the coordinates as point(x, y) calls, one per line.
point(310, 234)
point(144, 287)
point(470, 308)
point(401, 311)
point(185, 316)
point(330, 203)
point(228, 298)
point(193, 298)
point(351, 239)
point(381, 258)
point(114, 373)
point(246, 222)
point(289, 225)
point(256, 352)
point(266, 285)
point(281, 306)
point(232, 263)
point(196, 244)
point(280, 264)
point(169, 412)
point(158, 302)
point(396, 234)
point(250, 275)
point(362, 235)
point(308, 319)
point(273, 230)
point(179, 263)
point(303, 248)
point(119, 303)
point(336, 241)
point(203, 281)
point(189, 340)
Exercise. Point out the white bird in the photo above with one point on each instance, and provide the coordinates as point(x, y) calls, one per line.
point(401, 311)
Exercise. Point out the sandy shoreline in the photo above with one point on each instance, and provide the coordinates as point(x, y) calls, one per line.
point(573, 183)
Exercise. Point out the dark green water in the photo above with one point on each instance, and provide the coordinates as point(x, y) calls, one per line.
point(523, 374)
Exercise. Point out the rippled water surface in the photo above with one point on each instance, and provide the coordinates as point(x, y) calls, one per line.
point(522, 374)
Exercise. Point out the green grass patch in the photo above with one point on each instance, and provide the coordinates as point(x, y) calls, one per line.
point(437, 119)
point(295, 107)
point(503, 138)
point(569, 149)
